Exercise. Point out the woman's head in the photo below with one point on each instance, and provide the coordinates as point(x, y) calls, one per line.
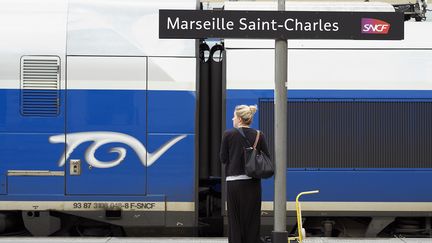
point(243, 115)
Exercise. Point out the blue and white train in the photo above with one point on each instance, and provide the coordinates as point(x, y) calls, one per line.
point(105, 128)
point(98, 114)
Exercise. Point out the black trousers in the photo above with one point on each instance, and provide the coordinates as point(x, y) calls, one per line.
point(244, 211)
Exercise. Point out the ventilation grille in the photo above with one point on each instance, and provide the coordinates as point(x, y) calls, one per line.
point(40, 76)
point(354, 134)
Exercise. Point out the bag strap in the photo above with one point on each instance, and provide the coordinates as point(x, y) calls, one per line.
point(244, 136)
point(256, 139)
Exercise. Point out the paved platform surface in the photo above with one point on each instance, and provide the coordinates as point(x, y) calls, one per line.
point(364, 240)
point(194, 240)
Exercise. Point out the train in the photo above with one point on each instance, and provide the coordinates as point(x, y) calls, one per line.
point(105, 129)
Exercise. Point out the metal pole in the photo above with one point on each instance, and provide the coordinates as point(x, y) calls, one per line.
point(281, 72)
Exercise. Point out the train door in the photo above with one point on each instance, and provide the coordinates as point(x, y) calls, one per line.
point(106, 125)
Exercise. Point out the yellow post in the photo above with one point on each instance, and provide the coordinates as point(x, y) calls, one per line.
point(299, 216)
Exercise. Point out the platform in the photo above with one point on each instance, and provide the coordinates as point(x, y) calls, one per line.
point(195, 240)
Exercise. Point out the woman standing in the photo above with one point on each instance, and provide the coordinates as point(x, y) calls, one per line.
point(243, 192)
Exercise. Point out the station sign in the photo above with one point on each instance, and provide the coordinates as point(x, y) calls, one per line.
point(198, 24)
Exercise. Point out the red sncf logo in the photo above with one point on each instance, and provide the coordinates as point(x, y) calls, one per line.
point(374, 26)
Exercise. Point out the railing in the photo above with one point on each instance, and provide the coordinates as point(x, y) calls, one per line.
point(300, 230)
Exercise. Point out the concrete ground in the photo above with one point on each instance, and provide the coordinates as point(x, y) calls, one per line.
point(193, 240)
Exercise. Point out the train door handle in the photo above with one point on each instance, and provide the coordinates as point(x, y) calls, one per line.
point(75, 167)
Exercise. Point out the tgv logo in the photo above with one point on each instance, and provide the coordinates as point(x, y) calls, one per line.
point(374, 26)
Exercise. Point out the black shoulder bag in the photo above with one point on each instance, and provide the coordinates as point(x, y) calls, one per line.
point(257, 164)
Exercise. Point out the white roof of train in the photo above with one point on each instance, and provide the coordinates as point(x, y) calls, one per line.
point(82, 27)
point(313, 6)
point(417, 34)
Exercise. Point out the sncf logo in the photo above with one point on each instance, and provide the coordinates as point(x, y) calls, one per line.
point(374, 26)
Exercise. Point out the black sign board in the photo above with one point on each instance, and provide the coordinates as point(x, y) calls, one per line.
point(196, 24)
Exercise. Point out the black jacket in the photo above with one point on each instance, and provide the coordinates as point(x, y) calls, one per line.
point(231, 151)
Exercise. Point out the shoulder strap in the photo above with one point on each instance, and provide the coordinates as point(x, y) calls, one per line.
point(256, 139)
point(244, 136)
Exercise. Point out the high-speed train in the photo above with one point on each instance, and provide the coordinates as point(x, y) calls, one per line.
point(105, 129)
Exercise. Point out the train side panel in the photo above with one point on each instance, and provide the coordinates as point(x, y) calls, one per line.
point(113, 128)
point(358, 115)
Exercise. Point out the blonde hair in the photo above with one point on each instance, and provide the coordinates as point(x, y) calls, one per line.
point(246, 113)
